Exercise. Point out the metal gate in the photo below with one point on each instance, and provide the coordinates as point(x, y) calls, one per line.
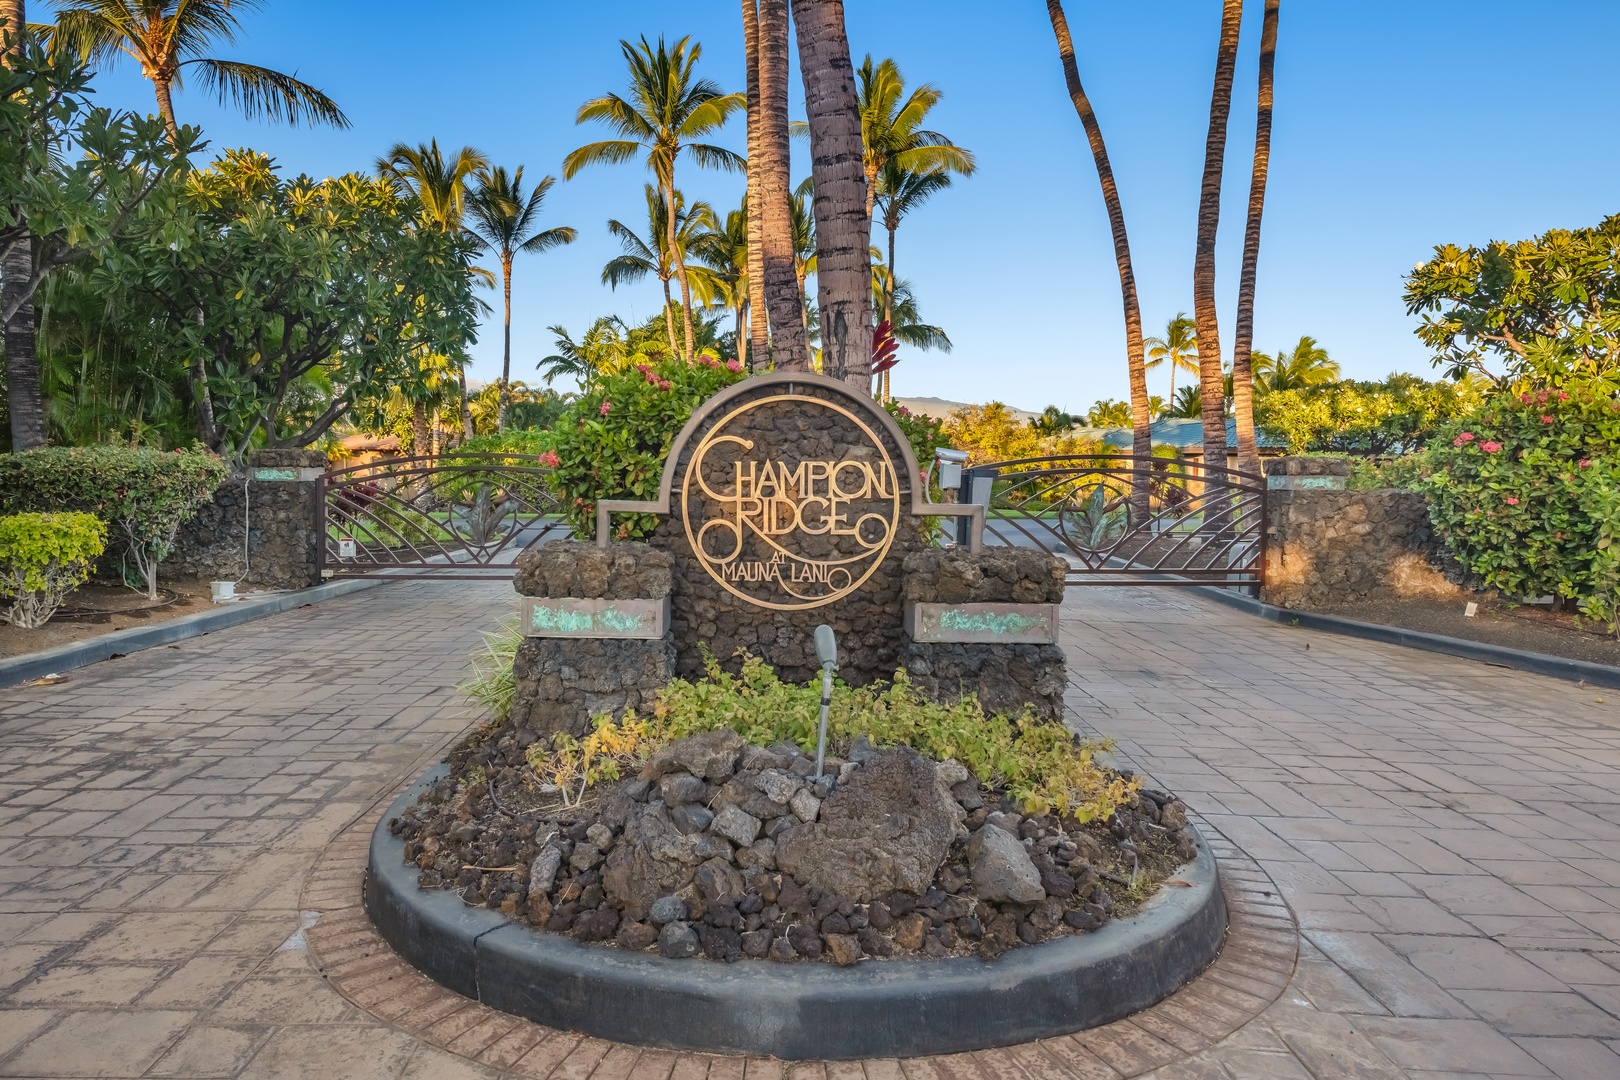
point(1189, 524)
point(451, 516)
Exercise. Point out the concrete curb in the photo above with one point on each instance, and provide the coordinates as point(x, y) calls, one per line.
point(79, 654)
point(1557, 667)
point(893, 1008)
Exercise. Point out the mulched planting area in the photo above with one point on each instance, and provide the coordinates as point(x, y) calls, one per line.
point(1530, 627)
point(722, 850)
point(96, 608)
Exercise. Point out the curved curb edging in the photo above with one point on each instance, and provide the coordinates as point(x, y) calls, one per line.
point(1557, 667)
point(798, 1011)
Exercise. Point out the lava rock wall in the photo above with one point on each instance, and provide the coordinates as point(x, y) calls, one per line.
point(280, 517)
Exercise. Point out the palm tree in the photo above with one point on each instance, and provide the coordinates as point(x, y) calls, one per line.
point(671, 106)
point(602, 348)
point(892, 132)
point(441, 188)
point(843, 226)
point(661, 252)
point(906, 323)
point(26, 404)
point(1141, 435)
point(725, 253)
point(1243, 334)
point(166, 36)
point(1178, 348)
point(504, 218)
point(1301, 368)
point(755, 255)
point(783, 292)
point(1210, 371)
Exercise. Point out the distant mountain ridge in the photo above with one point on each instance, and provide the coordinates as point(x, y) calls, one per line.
point(939, 408)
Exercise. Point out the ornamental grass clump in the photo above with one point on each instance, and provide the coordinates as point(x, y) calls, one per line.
point(1525, 493)
point(43, 557)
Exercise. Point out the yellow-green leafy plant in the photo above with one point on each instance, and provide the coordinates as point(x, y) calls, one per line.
point(1037, 762)
point(43, 557)
point(492, 685)
point(565, 762)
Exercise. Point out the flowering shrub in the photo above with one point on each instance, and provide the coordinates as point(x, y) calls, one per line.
point(612, 441)
point(42, 558)
point(1524, 491)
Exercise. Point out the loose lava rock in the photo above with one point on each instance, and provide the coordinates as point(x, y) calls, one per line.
point(723, 850)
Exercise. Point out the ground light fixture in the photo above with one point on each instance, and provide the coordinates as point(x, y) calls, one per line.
point(950, 462)
point(827, 655)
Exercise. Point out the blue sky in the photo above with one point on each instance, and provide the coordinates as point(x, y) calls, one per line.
point(1398, 126)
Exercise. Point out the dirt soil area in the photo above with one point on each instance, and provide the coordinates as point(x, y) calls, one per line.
point(1530, 627)
point(100, 607)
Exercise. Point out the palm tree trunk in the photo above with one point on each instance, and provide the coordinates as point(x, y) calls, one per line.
point(741, 334)
point(758, 328)
point(843, 227)
point(15, 12)
point(679, 263)
point(1243, 332)
point(1210, 376)
point(165, 102)
point(888, 286)
point(506, 347)
point(1141, 430)
point(421, 441)
point(23, 397)
point(783, 310)
point(669, 319)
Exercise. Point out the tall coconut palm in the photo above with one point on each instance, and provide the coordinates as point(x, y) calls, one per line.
point(725, 253)
point(668, 107)
point(1211, 373)
point(27, 410)
point(1306, 365)
point(1141, 435)
point(784, 293)
point(1243, 332)
point(442, 189)
point(892, 131)
point(759, 322)
point(1178, 348)
point(843, 226)
point(505, 219)
point(167, 36)
point(662, 251)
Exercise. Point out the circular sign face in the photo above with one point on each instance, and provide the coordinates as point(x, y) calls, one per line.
point(783, 512)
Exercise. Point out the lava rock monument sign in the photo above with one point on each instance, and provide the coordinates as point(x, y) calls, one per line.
point(792, 500)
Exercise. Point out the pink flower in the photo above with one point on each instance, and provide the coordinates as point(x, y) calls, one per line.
point(732, 365)
point(550, 458)
point(1585, 463)
point(644, 369)
point(1562, 396)
point(1490, 447)
point(1525, 398)
point(607, 406)
point(1511, 501)
point(1545, 419)
point(1467, 436)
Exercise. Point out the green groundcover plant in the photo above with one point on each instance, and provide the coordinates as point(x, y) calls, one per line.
point(144, 495)
point(43, 557)
point(1524, 491)
point(611, 443)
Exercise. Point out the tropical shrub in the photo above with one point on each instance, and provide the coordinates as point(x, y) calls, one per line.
point(612, 441)
point(1398, 415)
point(1524, 493)
point(145, 495)
point(991, 433)
point(43, 557)
point(1037, 761)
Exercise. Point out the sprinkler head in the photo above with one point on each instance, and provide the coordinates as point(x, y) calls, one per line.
point(826, 648)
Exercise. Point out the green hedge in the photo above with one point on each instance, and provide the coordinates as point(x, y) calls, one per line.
point(43, 557)
point(143, 495)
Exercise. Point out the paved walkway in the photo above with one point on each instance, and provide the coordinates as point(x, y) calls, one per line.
point(1443, 831)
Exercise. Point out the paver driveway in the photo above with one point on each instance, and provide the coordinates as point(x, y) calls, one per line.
point(1444, 832)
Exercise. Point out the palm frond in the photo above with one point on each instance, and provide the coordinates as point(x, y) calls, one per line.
point(259, 91)
point(611, 152)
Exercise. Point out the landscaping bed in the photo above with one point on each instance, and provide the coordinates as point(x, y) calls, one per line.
point(1529, 627)
point(721, 849)
point(100, 607)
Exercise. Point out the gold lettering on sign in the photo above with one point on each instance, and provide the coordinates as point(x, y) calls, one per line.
point(783, 531)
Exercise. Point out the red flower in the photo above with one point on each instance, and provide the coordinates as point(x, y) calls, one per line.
point(1490, 447)
point(732, 365)
point(1585, 463)
point(550, 458)
point(607, 407)
point(1511, 501)
point(1545, 419)
point(1562, 396)
point(1467, 436)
